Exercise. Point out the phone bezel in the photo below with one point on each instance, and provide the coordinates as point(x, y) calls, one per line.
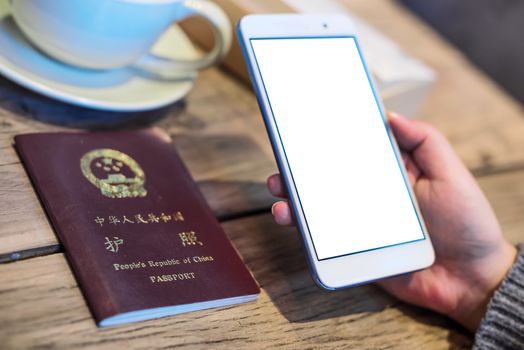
point(335, 272)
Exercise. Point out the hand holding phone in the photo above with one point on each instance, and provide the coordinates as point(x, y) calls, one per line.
point(472, 255)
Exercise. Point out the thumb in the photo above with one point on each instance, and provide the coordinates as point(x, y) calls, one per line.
point(429, 149)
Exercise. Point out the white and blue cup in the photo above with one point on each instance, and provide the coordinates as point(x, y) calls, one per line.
point(111, 34)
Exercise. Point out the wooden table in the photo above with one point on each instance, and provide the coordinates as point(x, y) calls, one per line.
point(219, 133)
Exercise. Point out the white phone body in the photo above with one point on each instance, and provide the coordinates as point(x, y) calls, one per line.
point(339, 162)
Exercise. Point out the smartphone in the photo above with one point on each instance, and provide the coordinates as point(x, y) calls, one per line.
point(339, 162)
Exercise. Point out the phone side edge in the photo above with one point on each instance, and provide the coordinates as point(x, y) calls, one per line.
point(283, 168)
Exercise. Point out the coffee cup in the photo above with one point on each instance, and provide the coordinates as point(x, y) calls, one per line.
point(111, 34)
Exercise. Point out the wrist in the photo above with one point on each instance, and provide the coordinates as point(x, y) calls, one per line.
point(473, 303)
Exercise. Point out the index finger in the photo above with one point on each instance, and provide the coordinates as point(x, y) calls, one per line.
point(275, 186)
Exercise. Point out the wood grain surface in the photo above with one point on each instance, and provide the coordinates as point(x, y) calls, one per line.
point(505, 192)
point(42, 307)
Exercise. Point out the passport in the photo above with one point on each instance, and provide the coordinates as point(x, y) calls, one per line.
point(138, 235)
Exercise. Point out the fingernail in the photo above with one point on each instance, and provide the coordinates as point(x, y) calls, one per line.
point(273, 208)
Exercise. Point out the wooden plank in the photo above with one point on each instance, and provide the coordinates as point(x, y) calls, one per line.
point(23, 222)
point(218, 133)
point(506, 195)
point(42, 307)
point(484, 124)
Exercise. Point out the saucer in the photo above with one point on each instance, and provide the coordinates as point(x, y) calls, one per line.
point(123, 89)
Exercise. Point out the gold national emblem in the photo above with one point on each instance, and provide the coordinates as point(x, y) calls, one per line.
point(116, 174)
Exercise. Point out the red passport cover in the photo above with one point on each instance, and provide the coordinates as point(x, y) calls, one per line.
point(138, 234)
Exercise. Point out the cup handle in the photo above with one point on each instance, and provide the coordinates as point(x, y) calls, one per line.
point(166, 67)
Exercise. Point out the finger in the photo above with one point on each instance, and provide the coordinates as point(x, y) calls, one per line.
point(412, 169)
point(412, 288)
point(275, 186)
point(429, 149)
point(396, 284)
point(282, 213)
point(410, 134)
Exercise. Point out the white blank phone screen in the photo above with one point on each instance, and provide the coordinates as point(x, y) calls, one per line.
point(350, 186)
